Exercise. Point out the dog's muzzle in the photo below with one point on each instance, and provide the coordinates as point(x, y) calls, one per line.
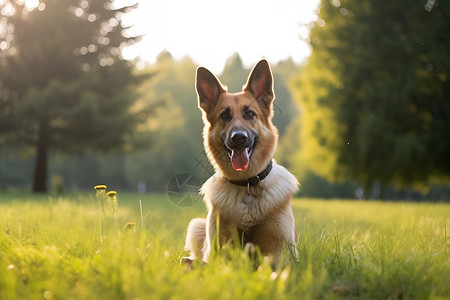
point(240, 144)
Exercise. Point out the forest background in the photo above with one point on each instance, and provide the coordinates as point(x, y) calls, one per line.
point(368, 115)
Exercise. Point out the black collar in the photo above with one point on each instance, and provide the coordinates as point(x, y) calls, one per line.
point(254, 180)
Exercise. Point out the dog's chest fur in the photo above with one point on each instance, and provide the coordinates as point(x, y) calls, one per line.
point(247, 207)
point(246, 210)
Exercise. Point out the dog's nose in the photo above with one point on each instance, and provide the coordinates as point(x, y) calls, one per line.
point(239, 138)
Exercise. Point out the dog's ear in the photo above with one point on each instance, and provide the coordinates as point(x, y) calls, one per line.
point(208, 89)
point(260, 84)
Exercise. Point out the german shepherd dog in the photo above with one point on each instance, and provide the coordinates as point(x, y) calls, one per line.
point(249, 196)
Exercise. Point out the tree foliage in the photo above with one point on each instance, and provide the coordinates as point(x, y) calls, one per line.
point(375, 93)
point(63, 83)
point(175, 130)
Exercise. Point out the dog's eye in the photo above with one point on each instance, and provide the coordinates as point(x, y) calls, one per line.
point(249, 114)
point(226, 117)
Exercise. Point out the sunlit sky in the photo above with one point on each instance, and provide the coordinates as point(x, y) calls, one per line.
point(210, 31)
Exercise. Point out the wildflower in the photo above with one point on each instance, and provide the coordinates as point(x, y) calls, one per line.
point(100, 187)
point(101, 196)
point(113, 200)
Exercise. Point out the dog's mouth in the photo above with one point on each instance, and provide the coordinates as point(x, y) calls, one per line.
point(240, 158)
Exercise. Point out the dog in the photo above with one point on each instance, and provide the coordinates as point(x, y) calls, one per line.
point(249, 196)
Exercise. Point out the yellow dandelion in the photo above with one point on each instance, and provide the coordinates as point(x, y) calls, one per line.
point(113, 200)
point(100, 187)
point(101, 196)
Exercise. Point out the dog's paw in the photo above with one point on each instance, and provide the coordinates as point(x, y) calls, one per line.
point(186, 260)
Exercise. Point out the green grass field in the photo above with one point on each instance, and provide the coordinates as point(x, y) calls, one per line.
point(65, 248)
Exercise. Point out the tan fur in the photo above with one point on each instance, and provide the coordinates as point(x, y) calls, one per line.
point(266, 220)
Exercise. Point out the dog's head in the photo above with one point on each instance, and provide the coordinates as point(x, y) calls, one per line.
point(239, 136)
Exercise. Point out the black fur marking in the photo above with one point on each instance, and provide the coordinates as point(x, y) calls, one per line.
point(226, 115)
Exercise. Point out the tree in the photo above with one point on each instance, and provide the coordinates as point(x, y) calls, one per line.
point(175, 130)
point(63, 82)
point(234, 74)
point(375, 93)
point(285, 107)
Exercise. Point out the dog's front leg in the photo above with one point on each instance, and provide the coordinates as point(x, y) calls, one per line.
point(211, 230)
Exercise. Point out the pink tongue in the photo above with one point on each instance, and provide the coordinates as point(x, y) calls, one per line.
point(240, 160)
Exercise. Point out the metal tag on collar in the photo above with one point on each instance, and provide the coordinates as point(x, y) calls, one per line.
point(249, 198)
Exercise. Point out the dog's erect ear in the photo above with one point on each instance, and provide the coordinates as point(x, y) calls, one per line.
point(260, 84)
point(208, 89)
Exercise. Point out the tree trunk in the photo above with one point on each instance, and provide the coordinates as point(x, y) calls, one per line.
point(40, 171)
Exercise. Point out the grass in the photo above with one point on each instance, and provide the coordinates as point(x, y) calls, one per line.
point(64, 248)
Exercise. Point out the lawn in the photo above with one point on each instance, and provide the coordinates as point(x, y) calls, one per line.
point(67, 248)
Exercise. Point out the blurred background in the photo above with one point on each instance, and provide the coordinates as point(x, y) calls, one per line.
point(102, 92)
